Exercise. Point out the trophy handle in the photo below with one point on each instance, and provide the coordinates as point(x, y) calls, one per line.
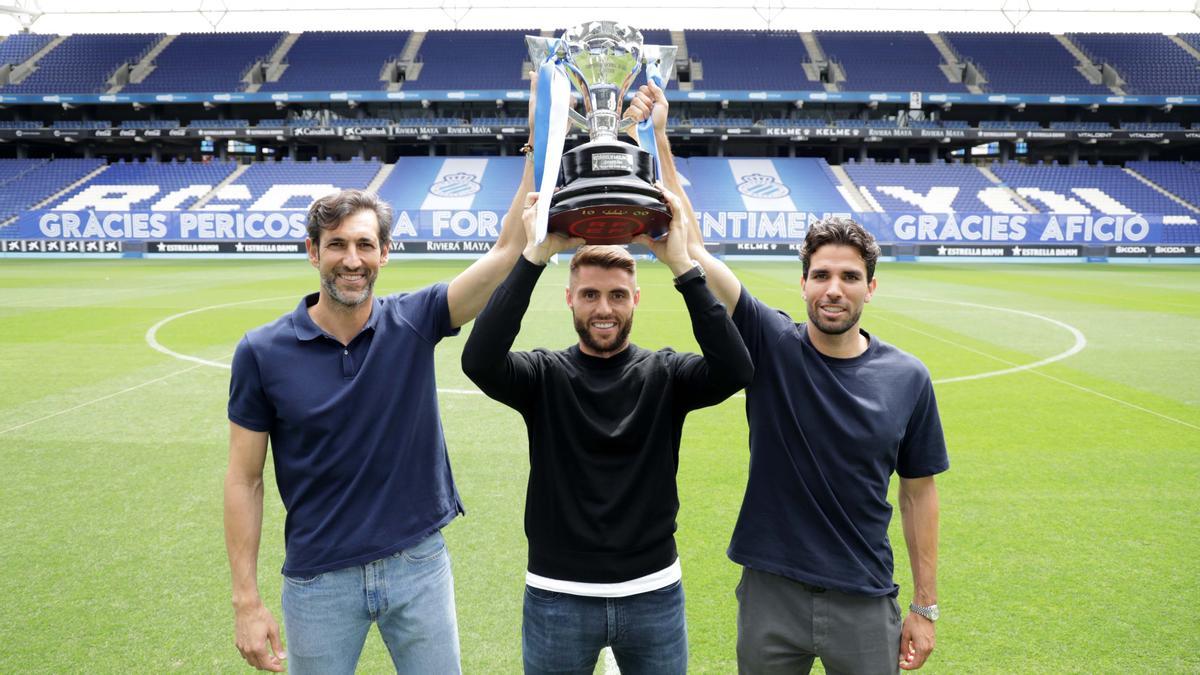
point(579, 120)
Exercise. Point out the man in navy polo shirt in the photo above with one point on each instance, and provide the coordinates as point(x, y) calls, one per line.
point(833, 412)
point(344, 389)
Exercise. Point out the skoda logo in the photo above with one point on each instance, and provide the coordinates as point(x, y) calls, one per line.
point(456, 185)
point(762, 187)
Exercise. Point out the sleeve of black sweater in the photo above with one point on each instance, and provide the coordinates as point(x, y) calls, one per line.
point(505, 376)
point(725, 366)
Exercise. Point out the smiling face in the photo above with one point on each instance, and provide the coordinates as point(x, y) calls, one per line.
point(602, 301)
point(349, 257)
point(836, 288)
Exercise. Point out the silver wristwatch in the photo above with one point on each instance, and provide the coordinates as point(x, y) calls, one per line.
point(930, 612)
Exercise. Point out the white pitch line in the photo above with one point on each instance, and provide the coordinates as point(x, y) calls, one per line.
point(152, 340)
point(97, 400)
point(1030, 367)
point(1080, 342)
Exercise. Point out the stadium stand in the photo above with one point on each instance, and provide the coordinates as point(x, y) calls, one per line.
point(157, 186)
point(319, 61)
point(81, 124)
point(797, 122)
point(219, 124)
point(83, 63)
point(750, 60)
point(39, 182)
point(930, 188)
point(796, 184)
point(1017, 124)
point(292, 185)
point(1082, 126)
point(504, 121)
point(20, 124)
point(891, 61)
point(1086, 189)
point(1149, 63)
point(1044, 66)
point(150, 124)
point(1178, 178)
point(495, 58)
point(15, 49)
point(1152, 126)
point(206, 62)
point(360, 122)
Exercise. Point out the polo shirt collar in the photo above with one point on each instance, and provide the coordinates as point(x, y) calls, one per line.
point(307, 329)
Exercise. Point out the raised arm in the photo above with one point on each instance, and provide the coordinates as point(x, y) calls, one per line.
point(487, 358)
point(650, 100)
point(919, 515)
point(470, 290)
point(725, 366)
point(257, 633)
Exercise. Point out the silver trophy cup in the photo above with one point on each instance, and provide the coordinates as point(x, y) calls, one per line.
point(606, 193)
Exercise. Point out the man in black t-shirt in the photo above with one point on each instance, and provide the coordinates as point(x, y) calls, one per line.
point(604, 419)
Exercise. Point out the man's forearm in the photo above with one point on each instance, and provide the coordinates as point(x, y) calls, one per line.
point(484, 354)
point(243, 532)
point(919, 514)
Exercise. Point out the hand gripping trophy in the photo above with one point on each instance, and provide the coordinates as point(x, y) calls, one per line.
point(606, 193)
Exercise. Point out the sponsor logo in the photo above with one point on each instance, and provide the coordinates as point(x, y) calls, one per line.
point(1033, 252)
point(1095, 134)
point(1168, 250)
point(456, 185)
point(366, 131)
point(104, 133)
point(761, 186)
point(1140, 250)
point(257, 247)
point(469, 131)
point(174, 247)
point(315, 131)
point(265, 132)
point(973, 251)
point(177, 132)
point(456, 95)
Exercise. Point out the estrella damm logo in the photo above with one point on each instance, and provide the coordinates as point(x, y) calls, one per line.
point(460, 184)
point(762, 186)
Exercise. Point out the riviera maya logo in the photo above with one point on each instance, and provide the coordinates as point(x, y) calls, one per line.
point(456, 185)
point(762, 187)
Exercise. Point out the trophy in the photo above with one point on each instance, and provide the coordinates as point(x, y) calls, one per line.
point(605, 192)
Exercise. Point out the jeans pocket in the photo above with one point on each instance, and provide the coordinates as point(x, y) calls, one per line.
point(304, 580)
point(541, 595)
point(429, 548)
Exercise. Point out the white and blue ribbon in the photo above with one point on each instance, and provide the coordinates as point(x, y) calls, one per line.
point(645, 128)
point(550, 120)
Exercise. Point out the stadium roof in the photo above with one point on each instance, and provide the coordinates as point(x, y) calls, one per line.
point(178, 16)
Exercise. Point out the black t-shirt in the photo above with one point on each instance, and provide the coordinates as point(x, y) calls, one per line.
point(604, 433)
point(825, 436)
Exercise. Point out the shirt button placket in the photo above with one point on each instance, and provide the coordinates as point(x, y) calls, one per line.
point(347, 364)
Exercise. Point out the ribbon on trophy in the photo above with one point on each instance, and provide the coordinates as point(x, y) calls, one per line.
point(645, 128)
point(550, 118)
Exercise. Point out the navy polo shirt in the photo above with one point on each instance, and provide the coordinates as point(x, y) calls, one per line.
point(826, 434)
point(359, 454)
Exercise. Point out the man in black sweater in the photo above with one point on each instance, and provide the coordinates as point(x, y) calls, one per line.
point(604, 419)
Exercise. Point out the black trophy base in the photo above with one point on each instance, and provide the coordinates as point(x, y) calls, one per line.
point(608, 196)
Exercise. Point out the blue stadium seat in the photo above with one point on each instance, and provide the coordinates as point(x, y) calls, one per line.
point(1044, 66)
point(325, 61)
point(887, 61)
point(750, 60)
point(206, 62)
point(82, 64)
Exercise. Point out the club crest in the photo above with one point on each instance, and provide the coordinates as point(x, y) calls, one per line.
point(456, 185)
point(762, 187)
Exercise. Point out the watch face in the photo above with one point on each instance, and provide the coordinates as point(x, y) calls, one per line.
point(933, 613)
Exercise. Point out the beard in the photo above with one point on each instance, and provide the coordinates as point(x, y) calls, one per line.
point(608, 347)
point(347, 299)
point(836, 327)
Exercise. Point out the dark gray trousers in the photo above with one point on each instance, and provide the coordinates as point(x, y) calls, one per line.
point(783, 625)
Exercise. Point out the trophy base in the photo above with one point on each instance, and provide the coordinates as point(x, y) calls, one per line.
point(609, 210)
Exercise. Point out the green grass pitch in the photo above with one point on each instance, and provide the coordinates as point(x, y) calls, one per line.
point(1070, 523)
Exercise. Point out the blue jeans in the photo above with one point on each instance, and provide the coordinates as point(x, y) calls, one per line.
point(564, 633)
point(409, 595)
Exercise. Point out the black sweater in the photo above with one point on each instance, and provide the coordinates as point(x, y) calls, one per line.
point(604, 433)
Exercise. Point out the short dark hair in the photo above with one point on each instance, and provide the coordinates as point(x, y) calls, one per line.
point(608, 257)
point(840, 232)
point(328, 212)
